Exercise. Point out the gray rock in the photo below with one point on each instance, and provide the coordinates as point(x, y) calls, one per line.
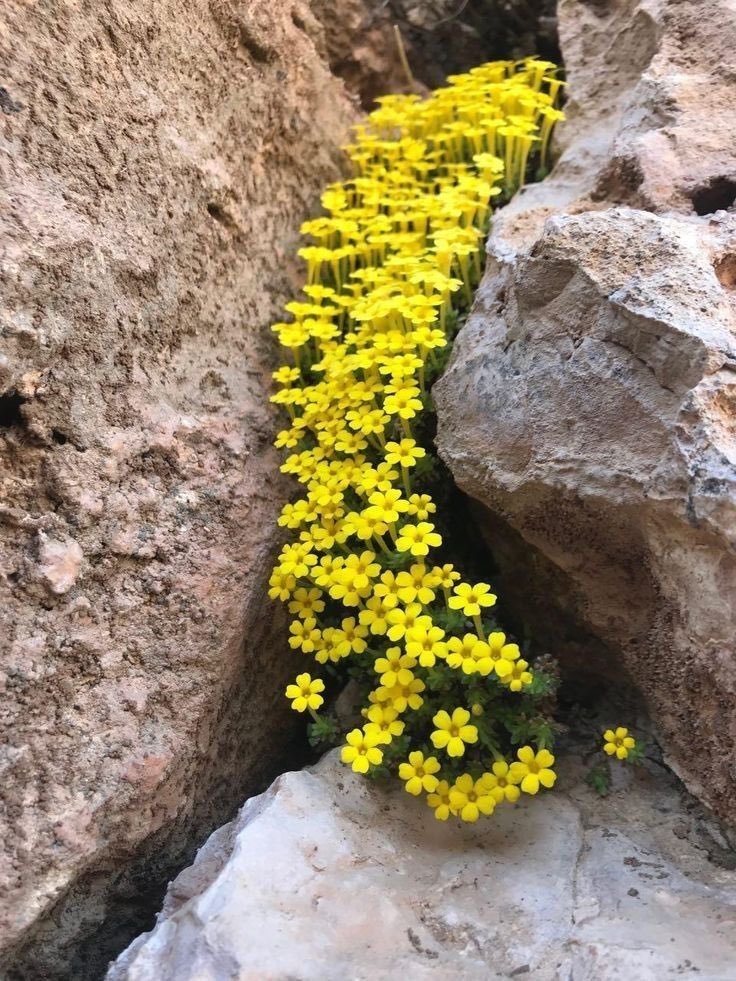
point(590, 404)
point(327, 876)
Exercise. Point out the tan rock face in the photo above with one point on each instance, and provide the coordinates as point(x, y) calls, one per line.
point(591, 402)
point(158, 159)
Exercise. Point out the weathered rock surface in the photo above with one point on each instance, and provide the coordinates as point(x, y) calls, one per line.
point(157, 161)
point(591, 402)
point(326, 877)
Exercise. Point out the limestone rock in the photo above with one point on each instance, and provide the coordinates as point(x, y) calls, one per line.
point(590, 405)
point(327, 876)
point(157, 161)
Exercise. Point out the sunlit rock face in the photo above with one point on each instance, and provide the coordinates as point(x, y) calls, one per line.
point(329, 876)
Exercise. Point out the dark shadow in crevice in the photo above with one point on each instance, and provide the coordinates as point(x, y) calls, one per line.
point(11, 414)
point(718, 194)
point(446, 38)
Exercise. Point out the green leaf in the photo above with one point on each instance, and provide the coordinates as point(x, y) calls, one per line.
point(599, 778)
point(323, 732)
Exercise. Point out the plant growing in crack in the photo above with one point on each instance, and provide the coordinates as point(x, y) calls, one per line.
point(450, 704)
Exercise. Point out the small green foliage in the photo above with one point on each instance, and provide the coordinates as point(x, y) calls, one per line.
point(323, 733)
point(599, 778)
point(636, 754)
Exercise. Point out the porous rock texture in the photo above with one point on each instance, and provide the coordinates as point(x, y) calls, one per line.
point(327, 876)
point(157, 161)
point(590, 405)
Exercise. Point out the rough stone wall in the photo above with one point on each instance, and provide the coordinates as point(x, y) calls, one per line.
point(591, 402)
point(157, 159)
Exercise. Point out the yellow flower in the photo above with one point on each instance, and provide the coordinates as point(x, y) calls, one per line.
point(281, 585)
point(387, 589)
point(471, 599)
point(416, 584)
point(453, 731)
point(419, 774)
point(286, 375)
point(306, 602)
point(376, 612)
point(386, 506)
point(467, 653)
point(352, 582)
point(349, 638)
point(402, 620)
point(402, 404)
point(296, 559)
point(405, 454)
point(533, 769)
point(306, 693)
point(439, 801)
point(501, 654)
point(519, 676)
point(421, 506)
point(418, 539)
point(501, 783)
point(471, 798)
point(446, 575)
point(384, 721)
point(364, 525)
point(403, 696)
point(394, 667)
point(618, 742)
point(305, 634)
point(362, 750)
point(426, 645)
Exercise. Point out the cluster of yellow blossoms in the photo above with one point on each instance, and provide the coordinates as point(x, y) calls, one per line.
point(391, 264)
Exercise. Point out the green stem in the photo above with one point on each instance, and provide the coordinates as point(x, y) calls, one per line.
point(381, 543)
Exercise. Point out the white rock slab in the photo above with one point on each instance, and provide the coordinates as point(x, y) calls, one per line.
point(327, 877)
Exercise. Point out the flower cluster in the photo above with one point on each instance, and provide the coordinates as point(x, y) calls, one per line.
point(390, 266)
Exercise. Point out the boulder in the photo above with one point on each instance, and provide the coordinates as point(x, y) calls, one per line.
point(157, 161)
point(327, 876)
point(590, 405)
